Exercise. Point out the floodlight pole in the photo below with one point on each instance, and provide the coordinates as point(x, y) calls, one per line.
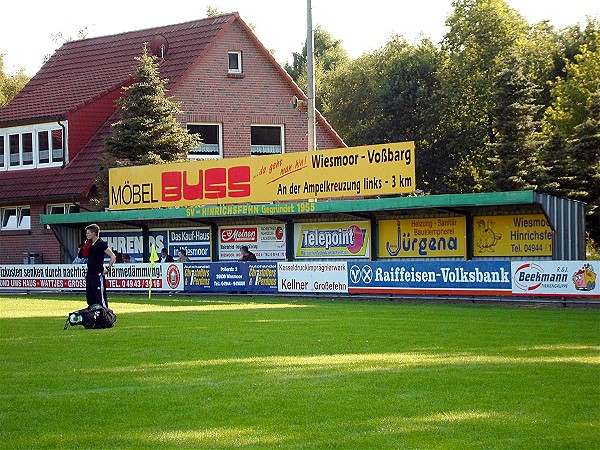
point(310, 69)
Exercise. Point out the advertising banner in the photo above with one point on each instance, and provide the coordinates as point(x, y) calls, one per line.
point(556, 278)
point(231, 277)
point(381, 169)
point(512, 235)
point(196, 242)
point(332, 240)
point(316, 277)
point(265, 241)
point(126, 277)
point(430, 277)
point(423, 238)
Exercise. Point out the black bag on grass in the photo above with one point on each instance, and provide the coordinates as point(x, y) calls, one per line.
point(95, 316)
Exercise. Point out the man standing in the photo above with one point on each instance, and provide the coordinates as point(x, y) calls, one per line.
point(247, 255)
point(165, 257)
point(95, 281)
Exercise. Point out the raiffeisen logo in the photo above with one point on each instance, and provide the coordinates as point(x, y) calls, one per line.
point(353, 238)
point(531, 276)
point(238, 235)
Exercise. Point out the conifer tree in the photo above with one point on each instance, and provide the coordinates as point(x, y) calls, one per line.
point(514, 162)
point(585, 157)
point(149, 132)
point(558, 175)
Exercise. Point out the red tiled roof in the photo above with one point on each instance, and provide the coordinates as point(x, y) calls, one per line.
point(82, 71)
point(79, 73)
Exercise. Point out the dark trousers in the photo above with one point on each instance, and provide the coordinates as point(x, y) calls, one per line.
point(95, 289)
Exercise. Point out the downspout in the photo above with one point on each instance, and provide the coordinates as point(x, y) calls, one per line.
point(64, 133)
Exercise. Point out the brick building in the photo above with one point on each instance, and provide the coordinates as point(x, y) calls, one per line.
point(231, 89)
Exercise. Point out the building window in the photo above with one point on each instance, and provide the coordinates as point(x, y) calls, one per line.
point(14, 150)
point(2, 153)
point(43, 147)
point(211, 145)
point(27, 142)
point(15, 218)
point(57, 146)
point(27, 147)
point(266, 139)
point(235, 62)
point(62, 208)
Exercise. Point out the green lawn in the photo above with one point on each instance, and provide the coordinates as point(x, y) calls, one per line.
point(248, 372)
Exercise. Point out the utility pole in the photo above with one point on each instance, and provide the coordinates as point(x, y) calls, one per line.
point(310, 69)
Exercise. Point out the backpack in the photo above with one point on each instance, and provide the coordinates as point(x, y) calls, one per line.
point(94, 316)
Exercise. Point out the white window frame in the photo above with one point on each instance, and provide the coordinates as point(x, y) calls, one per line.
point(3, 157)
point(257, 150)
point(34, 130)
point(239, 60)
point(22, 222)
point(66, 208)
point(199, 148)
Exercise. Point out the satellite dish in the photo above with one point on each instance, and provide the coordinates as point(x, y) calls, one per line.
point(159, 46)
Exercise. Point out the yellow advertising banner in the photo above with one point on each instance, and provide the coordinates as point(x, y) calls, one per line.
point(383, 169)
point(332, 239)
point(512, 235)
point(423, 238)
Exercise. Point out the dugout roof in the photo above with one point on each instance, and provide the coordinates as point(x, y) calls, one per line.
point(566, 217)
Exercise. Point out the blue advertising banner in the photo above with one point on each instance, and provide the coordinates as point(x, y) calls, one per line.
point(196, 242)
point(196, 277)
point(433, 277)
point(230, 277)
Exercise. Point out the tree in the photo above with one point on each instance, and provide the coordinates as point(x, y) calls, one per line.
point(585, 157)
point(329, 54)
point(539, 53)
point(572, 94)
point(10, 85)
point(408, 95)
point(213, 12)
point(149, 132)
point(557, 178)
point(514, 152)
point(350, 99)
point(482, 35)
point(391, 95)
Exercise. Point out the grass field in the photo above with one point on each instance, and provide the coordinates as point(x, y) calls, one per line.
point(233, 372)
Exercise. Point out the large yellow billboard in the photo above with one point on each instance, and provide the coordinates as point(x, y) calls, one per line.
point(423, 238)
point(512, 235)
point(369, 170)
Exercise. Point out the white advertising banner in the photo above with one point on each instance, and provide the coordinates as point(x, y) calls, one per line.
point(57, 277)
point(562, 278)
point(326, 277)
point(267, 242)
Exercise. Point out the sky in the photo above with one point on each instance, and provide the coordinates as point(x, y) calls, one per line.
point(26, 34)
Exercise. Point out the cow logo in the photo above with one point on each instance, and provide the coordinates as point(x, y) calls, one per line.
point(173, 276)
